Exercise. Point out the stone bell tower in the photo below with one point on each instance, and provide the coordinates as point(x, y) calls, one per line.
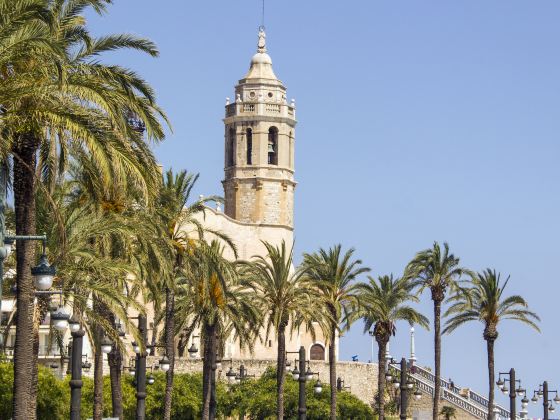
point(259, 147)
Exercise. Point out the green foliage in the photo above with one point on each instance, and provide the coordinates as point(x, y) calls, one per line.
point(257, 400)
point(53, 400)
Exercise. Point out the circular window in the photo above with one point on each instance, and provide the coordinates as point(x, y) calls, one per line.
point(270, 94)
point(252, 94)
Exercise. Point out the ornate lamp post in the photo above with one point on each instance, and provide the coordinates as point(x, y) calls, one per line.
point(76, 361)
point(513, 392)
point(405, 383)
point(543, 391)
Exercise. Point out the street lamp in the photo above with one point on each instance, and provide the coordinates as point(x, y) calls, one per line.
point(60, 318)
point(340, 385)
point(106, 345)
point(164, 364)
point(135, 347)
point(193, 350)
point(513, 392)
point(543, 391)
point(406, 385)
point(43, 273)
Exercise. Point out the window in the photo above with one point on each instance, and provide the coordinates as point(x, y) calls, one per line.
point(249, 146)
point(231, 140)
point(317, 352)
point(273, 146)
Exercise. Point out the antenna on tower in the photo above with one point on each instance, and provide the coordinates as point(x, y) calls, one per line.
point(262, 17)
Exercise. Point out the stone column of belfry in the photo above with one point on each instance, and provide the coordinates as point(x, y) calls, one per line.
point(259, 147)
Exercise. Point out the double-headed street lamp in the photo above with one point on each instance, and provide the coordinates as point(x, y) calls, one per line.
point(405, 383)
point(543, 392)
point(302, 374)
point(513, 391)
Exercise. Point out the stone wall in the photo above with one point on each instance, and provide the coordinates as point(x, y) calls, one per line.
point(360, 377)
point(422, 409)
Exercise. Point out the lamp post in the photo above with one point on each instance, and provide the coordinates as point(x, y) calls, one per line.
point(340, 385)
point(76, 381)
point(405, 383)
point(513, 392)
point(141, 369)
point(543, 391)
point(302, 408)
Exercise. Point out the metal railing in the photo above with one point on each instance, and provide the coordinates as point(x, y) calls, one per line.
point(474, 404)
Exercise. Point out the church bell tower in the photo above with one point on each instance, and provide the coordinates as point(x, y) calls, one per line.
point(259, 147)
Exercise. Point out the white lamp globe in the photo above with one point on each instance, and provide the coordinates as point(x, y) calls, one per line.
point(43, 274)
point(59, 319)
point(164, 364)
point(106, 345)
point(318, 387)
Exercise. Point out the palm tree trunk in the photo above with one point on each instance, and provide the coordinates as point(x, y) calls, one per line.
point(382, 349)
point(280, 372)
point(208, 378)
point(437, 357)
point(169, 349)
point(98, 376)
point(115, 370)
point(332, 370)
point(490, 349)
point(24, 202)
point(114, 359)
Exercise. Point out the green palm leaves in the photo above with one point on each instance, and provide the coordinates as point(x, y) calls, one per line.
point(482, 300)
point(384, 301)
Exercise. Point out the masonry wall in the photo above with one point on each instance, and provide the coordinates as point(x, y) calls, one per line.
point(361, 377)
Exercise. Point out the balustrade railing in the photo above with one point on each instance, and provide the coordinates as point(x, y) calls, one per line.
point(473, 403)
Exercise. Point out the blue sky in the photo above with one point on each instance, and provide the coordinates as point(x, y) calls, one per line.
point(418, 121)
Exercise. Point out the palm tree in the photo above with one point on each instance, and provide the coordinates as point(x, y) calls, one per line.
point(448, 412)
point(287, 300)
point(333, 273)
point(383, 302)
point(86, 244)
point(482, 300)
point(184, 231)
point(437, 270)
point(210, 293)
point(55, 96)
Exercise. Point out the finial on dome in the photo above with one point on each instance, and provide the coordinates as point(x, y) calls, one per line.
point(261, 46)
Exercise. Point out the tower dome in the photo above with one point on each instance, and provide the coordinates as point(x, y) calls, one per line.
point(261, 63)
point(259, 147)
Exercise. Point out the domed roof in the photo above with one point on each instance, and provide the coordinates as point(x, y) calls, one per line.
point(261, 63)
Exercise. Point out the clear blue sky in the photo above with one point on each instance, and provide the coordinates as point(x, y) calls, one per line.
point(418, 121)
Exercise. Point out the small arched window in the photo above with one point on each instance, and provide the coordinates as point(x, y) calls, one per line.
point(317, 352)
point(249, 146)
point(273, 146)
point(230, 147)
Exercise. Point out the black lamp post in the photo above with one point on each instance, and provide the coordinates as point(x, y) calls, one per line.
point(543, 391)
point(302, 407)
point(141, 369)
point(405, 383)
point(76, 381)
point(513, 392)
point(340, 385)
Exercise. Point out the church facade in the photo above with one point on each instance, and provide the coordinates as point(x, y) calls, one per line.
point(259, 151)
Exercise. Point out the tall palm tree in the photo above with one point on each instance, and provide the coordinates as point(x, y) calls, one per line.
point(54, 97)
point(482, 300)
point(287, 299)
point(86, 244)
point(216, 302)
point(184, 232)
point(333, 273)
point(438, 270)
point(383, 302)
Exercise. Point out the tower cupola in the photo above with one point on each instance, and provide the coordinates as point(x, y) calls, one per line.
point(259, 146)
